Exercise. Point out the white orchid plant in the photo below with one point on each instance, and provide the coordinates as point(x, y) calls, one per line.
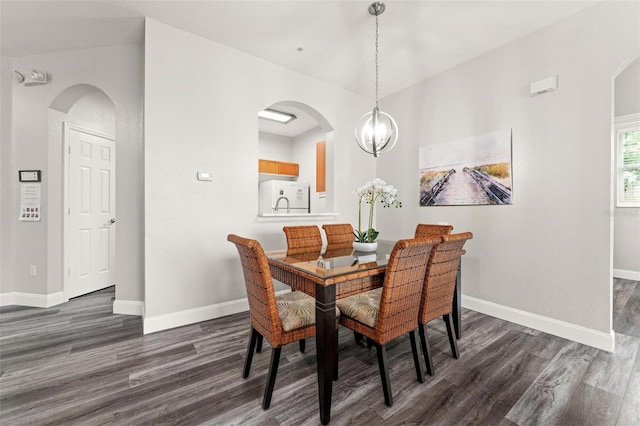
point(369, 193)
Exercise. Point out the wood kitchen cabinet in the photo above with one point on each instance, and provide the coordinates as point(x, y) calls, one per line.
point(278, 167)
point(288, 169)
point(267, 166)
point(321, 166)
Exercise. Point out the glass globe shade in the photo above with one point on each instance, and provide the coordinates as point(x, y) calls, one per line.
point(376, 132)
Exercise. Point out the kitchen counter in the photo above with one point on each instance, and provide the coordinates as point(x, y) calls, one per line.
point(294, 216)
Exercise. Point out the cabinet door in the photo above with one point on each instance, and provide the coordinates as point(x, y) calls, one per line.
point(288, 169)
point(267, 166)
point(321, 166)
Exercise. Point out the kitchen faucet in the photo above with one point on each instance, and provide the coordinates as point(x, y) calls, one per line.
point(278, 202)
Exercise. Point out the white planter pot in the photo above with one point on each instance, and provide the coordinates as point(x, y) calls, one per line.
point(365, 246)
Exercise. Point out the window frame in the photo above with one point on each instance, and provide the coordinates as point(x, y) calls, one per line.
point(623, 123)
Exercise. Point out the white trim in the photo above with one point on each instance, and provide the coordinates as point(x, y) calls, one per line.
point(626, 275)
point(623, 121)
point(32, 300)
point(128, 307)
point(191, 316)
point(587, 336)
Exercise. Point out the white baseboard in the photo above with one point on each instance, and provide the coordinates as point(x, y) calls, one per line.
point(587, 336)
point(128, 307)
point(32, 300)
point(191, 316)
point(626, 275)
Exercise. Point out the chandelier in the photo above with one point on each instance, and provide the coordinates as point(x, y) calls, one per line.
point(376, 131)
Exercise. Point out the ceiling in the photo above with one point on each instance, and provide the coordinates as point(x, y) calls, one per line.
point(329, 40)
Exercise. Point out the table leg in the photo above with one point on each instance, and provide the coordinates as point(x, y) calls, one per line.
point(325, 346)
point(457, 303)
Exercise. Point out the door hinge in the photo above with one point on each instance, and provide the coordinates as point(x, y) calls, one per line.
point(69, 272)
point(69, 149)
point(69, 210)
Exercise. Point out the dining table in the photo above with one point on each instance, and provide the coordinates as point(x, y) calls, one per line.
point(332, 274)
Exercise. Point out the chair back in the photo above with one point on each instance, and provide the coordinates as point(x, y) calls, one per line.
point(428, 230)
point(440, 278)
point(303, 239)
point(263, 307)
point(403, 280)
point(338, 235)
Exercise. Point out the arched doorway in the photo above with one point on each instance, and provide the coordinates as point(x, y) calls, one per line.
point(82, 123)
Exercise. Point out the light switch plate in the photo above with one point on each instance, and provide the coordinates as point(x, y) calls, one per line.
point(205, 176)
point(544, 86)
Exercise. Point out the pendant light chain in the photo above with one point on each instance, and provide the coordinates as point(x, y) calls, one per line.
point(376, 132)
point(377, 59)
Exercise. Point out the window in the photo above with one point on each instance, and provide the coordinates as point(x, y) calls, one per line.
point(628, 160)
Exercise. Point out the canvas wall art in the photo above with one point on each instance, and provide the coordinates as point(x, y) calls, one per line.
point(470, 171)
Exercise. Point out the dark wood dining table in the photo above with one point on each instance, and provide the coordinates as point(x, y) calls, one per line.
point(330, 275)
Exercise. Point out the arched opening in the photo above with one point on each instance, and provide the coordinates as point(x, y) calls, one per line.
point(82, 194)
point(301, 151)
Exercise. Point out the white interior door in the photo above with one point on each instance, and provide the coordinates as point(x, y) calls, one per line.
point(90, 215)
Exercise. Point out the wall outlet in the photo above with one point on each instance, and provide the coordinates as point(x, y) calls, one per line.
point(442, 223)
point(33, 270)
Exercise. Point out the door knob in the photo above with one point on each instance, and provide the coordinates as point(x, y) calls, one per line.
point(111, 222)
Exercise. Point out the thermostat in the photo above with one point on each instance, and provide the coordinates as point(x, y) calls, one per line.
point(29, 175)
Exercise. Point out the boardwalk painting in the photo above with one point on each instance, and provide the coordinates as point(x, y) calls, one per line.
point(469, 171)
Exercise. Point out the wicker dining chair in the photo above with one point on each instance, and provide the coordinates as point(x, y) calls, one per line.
point(281, 320)
point(437, 293)
point(388, 312)
point(303, 239)
point(338, 235)
point(429, 230)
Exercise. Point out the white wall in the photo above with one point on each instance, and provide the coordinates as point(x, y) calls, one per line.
point(117, 71)
point(627, 90)
point(626, 248)
point(546, 259)
point(274, 147)
point(6, 281)
point(208, 122)
point(94, 111)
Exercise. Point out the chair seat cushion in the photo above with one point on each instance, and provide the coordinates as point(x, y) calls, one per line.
point(297, 309)
point(362, 307)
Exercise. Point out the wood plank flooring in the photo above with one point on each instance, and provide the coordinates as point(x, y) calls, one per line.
point(77, 363)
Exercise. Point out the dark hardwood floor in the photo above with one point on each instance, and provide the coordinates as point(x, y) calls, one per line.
point(77, 363)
